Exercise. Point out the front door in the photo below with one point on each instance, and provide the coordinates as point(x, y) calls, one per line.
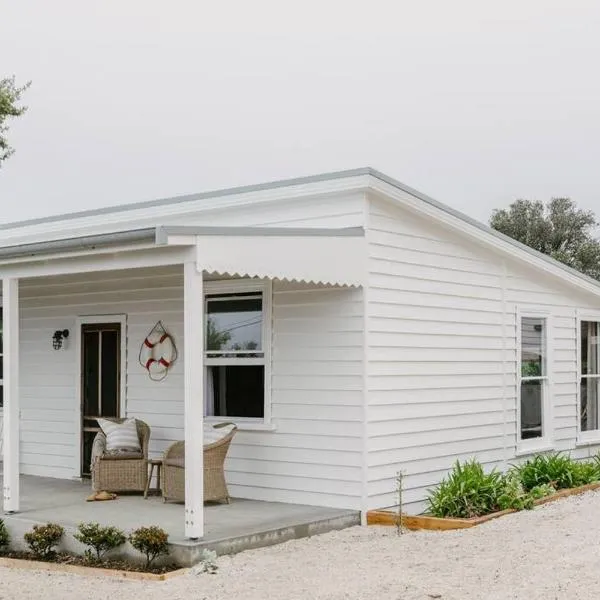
point(100, 382)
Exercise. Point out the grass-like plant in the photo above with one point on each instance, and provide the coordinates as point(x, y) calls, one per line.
point(557, 470)
point(43, 539)
point(468, 491)
point(98, 538)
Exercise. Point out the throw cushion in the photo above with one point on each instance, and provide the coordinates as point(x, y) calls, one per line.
point(212, 435)
point(120, 436)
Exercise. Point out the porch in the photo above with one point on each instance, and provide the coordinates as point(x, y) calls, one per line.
point(299, 443)
point(241, 525)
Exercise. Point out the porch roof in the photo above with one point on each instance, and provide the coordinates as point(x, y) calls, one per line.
point(318, 255)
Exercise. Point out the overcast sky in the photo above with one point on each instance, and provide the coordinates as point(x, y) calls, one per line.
point(474, 103)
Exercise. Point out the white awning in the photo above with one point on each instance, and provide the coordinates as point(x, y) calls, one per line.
point(328, 256)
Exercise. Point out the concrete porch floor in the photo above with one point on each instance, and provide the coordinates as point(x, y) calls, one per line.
point(239, 526)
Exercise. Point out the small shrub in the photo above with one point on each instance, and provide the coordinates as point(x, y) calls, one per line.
point(152, 542)
point(468, 491)
point(100, 539)
point(4, 537)
point(43, 539)
point(514, 495)
point(541, 491)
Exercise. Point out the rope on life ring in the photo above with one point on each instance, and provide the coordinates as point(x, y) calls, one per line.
point(158, 352)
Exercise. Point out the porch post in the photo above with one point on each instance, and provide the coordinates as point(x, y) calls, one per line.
point(194, 399)
point(10, 317)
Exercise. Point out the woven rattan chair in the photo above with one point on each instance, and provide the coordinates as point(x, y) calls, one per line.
point(120, 473)
point(215, 486)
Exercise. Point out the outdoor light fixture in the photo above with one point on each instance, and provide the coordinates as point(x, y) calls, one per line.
point(58, 337)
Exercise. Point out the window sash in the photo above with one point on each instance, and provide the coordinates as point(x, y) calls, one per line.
point(241, 290)
point(592, 406)
point(529, 442)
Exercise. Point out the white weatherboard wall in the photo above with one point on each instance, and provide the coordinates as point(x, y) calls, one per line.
point(50, 405)
point(442, 353)
point(314, 454)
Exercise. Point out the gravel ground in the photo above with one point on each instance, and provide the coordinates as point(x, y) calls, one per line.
point(552, 552)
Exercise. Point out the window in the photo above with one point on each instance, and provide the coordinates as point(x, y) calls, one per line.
point(236, 350)
point(533, 377)
point(589, 376)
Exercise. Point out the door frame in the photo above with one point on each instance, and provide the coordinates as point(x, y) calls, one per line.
point(98, 320)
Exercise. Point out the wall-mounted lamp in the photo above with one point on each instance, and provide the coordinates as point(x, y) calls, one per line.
point(58, 337)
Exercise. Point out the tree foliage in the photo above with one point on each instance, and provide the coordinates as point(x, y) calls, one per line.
point(10, 107)
point(558, 229)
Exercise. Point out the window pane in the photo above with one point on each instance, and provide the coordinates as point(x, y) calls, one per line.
point(533, 347)
point(236, 391)
point(234, 323)
point(589, 347)
point(589, 403)
point(531, 409)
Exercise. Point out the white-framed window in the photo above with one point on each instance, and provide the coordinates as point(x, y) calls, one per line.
point(589, 379)
point(237, 350)
point(533, 407)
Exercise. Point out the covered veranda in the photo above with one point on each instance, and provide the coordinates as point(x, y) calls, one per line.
point(292, 254)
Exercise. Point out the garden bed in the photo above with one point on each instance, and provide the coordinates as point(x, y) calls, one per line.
point(66, 563)
point(414, 522)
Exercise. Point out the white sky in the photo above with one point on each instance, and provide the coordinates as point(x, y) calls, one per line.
point(474, 103)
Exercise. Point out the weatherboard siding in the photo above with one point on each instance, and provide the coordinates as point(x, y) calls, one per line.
point(312, 456)
point(442, 349)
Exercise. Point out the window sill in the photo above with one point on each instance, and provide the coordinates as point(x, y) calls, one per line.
point(244, 425)
point(588, 442)
point(534, 449)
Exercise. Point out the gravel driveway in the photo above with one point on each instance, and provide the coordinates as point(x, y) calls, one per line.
point(551, 553)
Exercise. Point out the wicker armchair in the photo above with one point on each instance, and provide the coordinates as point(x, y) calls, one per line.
point(120, 473)
point(215, 486)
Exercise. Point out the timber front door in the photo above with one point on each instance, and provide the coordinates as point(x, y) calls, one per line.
point(100, 382)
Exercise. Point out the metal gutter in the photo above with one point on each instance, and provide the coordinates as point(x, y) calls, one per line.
point(162, 233)
point(90, 242)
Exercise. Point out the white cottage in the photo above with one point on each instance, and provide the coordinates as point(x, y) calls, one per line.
point(367, 329)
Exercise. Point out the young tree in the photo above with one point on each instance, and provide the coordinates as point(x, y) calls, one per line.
point(10, 97)
point(558, 229)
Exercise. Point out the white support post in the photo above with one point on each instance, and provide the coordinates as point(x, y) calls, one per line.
point(10, 317)
point(194, 400)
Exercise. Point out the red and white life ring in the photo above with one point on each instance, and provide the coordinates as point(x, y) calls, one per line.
point(158, 352)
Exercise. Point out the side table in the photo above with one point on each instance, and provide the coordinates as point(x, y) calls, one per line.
point(154, 464)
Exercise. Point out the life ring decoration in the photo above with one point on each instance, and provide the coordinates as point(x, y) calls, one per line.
point(158, 352)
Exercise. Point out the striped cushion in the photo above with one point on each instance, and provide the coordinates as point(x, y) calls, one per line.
point(120, 436)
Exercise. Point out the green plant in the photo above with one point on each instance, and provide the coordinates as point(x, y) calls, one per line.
point(514, 495)
point(585, 472)
point(100, 539)
point(541, 491)
point(43, 539)
point(531, 369)
point(557, 470)
point(4, 537)
point(467, 491)
point(152, 542)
